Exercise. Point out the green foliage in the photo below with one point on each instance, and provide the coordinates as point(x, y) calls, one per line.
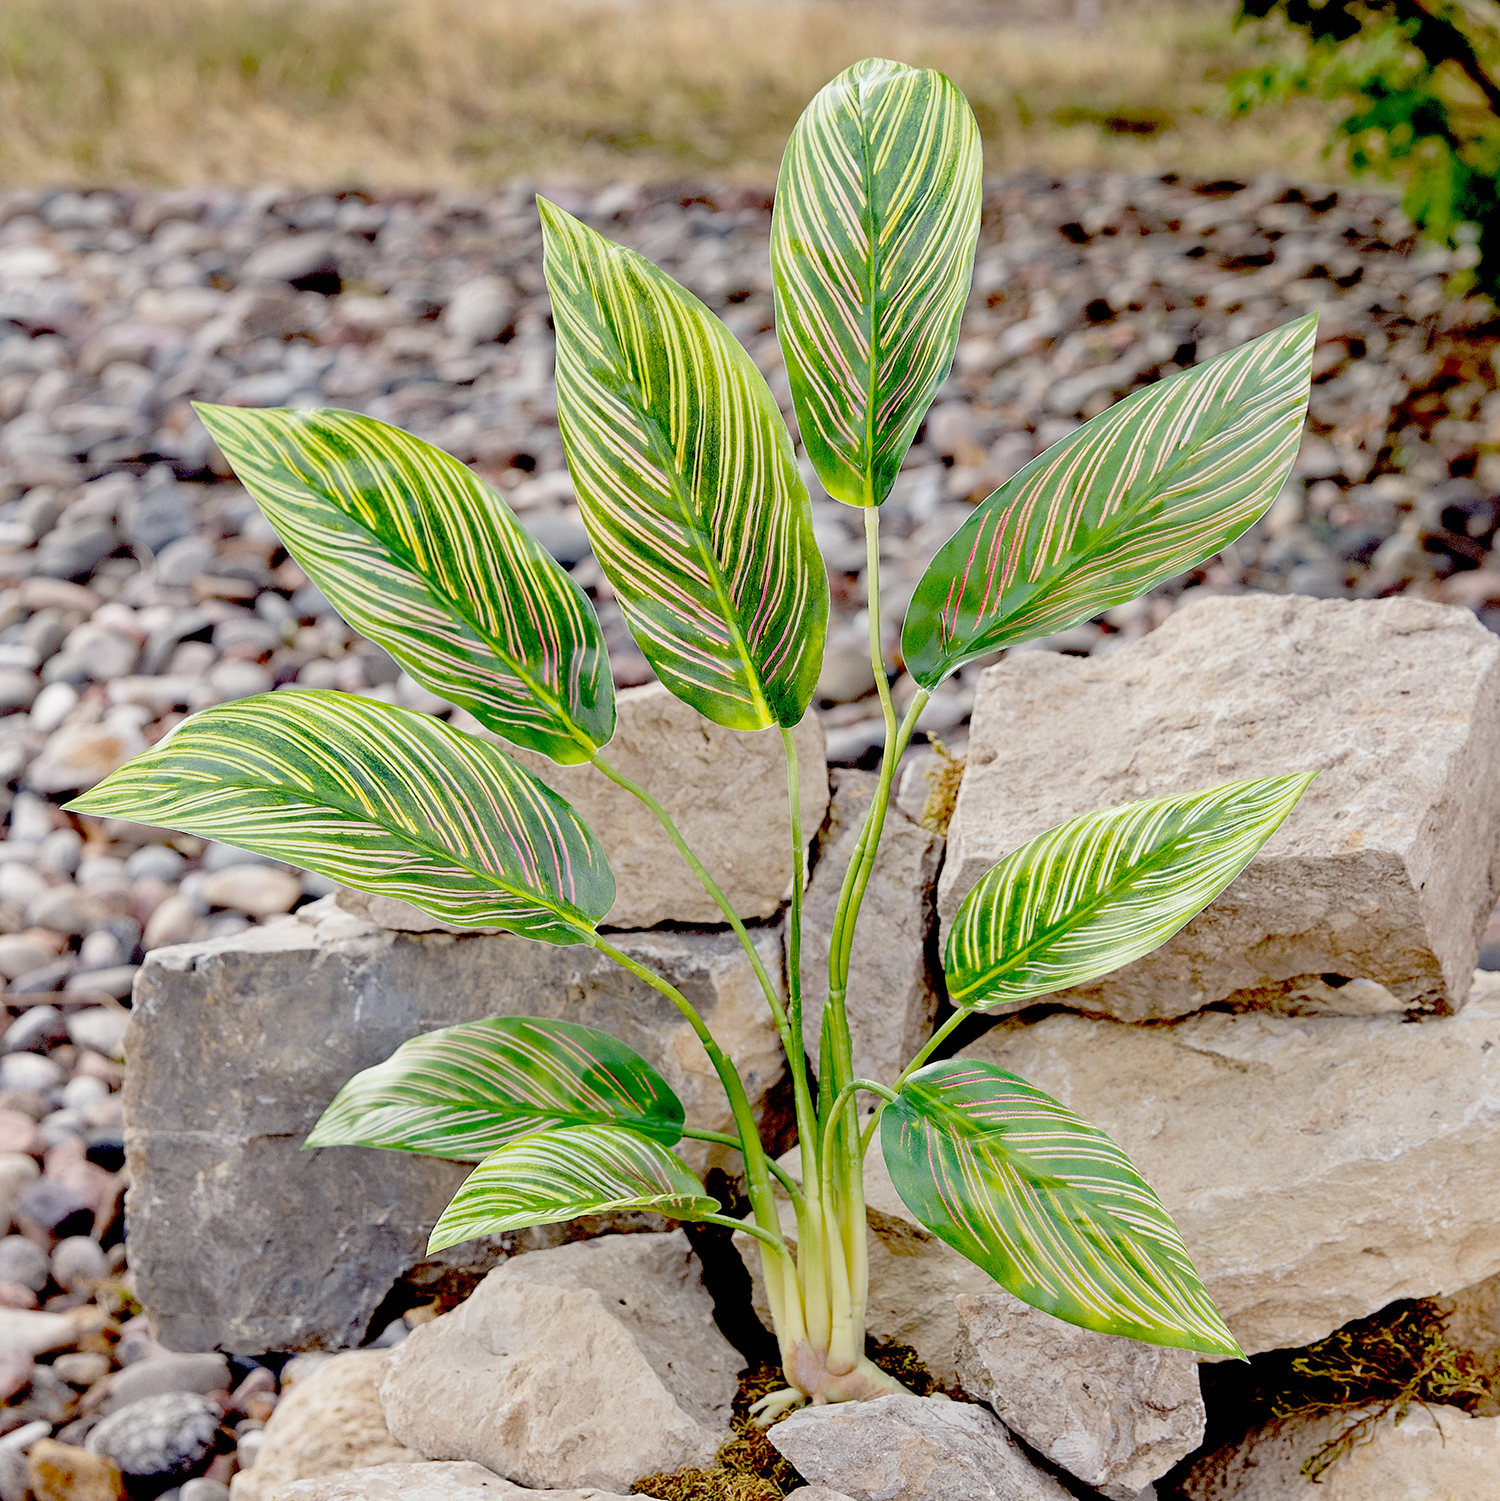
point(689, 485)
point(1048, 1205)
point(1100, 890)
point(463, 1091)
point(1421, 79)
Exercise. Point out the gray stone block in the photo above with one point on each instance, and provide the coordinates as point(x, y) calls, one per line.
point(242, 1241)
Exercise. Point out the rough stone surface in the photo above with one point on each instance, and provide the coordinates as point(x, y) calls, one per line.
point(892, 998)
point(239, 1044)
point(912, 1448)
point(1318, 1168)
point(726, 792)
point(1116, 1413)
point(1387, 869)
point(816, 1493)
point(432, 1480)
point(587, 1365)
point(327, 1422)
point(1433, 1454)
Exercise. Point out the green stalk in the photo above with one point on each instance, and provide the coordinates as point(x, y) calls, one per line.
point(757, 1169)
point(724, 1139)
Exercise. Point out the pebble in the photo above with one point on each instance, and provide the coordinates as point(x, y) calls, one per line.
point(35, 1030)
point(101, 1028)
point(78, 1264)
point(170, 1434)
point(30, 1072)
point(54, 1209)
point(259, 890)
point(23, 1263)
point(81, 1367)
point(64, 1472)
point(22, 952)
point(202, 1488)
point(77, 757)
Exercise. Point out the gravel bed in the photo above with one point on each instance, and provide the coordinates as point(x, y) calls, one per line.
point(139, 583)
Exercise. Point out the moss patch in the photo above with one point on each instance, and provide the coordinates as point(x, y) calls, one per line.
point(943, 781)
point(1376, 1368)
point(747, 1466)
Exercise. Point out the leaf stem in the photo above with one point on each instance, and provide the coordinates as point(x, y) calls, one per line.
point(757, 1167)
point(711, 886)
point(724, 1139)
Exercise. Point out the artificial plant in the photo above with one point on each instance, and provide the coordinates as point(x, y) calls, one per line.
point(689, 484)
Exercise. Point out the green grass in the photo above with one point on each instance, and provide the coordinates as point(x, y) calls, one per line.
point(471, 93)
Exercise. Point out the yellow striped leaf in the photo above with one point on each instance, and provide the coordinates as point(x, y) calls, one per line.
point(421, 556)
point(1049, 1206)
point(1098, 891)
point(463, 1091)
point(685, 475)
point(872, 247)
point(383, 799)
point(1155, 485)
point(558, 1175)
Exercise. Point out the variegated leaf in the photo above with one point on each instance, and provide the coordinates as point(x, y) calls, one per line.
point(1098, 891)
point(418, 554)
point(383, 799)
point(1049, 1206)
point(685, 475)
point(1161, 481)
point(872, 247)
point(463, 1091)
point(558, 1175)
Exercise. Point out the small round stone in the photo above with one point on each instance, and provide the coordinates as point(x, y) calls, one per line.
point(167, 1435)
point(78, 1263)
point(23, 1263)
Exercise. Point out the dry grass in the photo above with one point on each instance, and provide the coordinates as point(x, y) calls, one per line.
point(469, 93)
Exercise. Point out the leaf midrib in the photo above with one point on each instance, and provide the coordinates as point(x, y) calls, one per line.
point(569, 915)
point(1161, 856)
point(456, 606)
point(666, 459)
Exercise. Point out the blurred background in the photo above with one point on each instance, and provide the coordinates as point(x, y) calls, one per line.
point(474, 93)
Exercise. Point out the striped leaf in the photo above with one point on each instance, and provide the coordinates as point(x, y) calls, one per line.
point(872, 247)
point(1155, 485)
point(463, 1091)
point(416, 553)
point(383, 799)
point(558, 1175)
point(1049, 1206)
point(1096, 892)
point(685, 476)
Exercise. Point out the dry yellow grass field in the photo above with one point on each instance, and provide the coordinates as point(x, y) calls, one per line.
point(468, 93)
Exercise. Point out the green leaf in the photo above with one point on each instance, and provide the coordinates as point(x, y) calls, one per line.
point(419, 555)
point(872, 247)
point(1098, 891)
point(1155, 485)
point(384, 799)
point(463, 1091)
point(687, 483)
point(558, 1175)
point(1049, 1206)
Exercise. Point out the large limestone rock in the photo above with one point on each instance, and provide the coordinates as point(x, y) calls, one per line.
point(240, 1240)
point(1116, 1413)
point(892, 1000)
point(1317, 1167)
point(1385, 871)
point(588, 1365)
point(328, 1422)
point(724, 789)
point(1433, 1454)
point(914, 1449)
point(430, 1480)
